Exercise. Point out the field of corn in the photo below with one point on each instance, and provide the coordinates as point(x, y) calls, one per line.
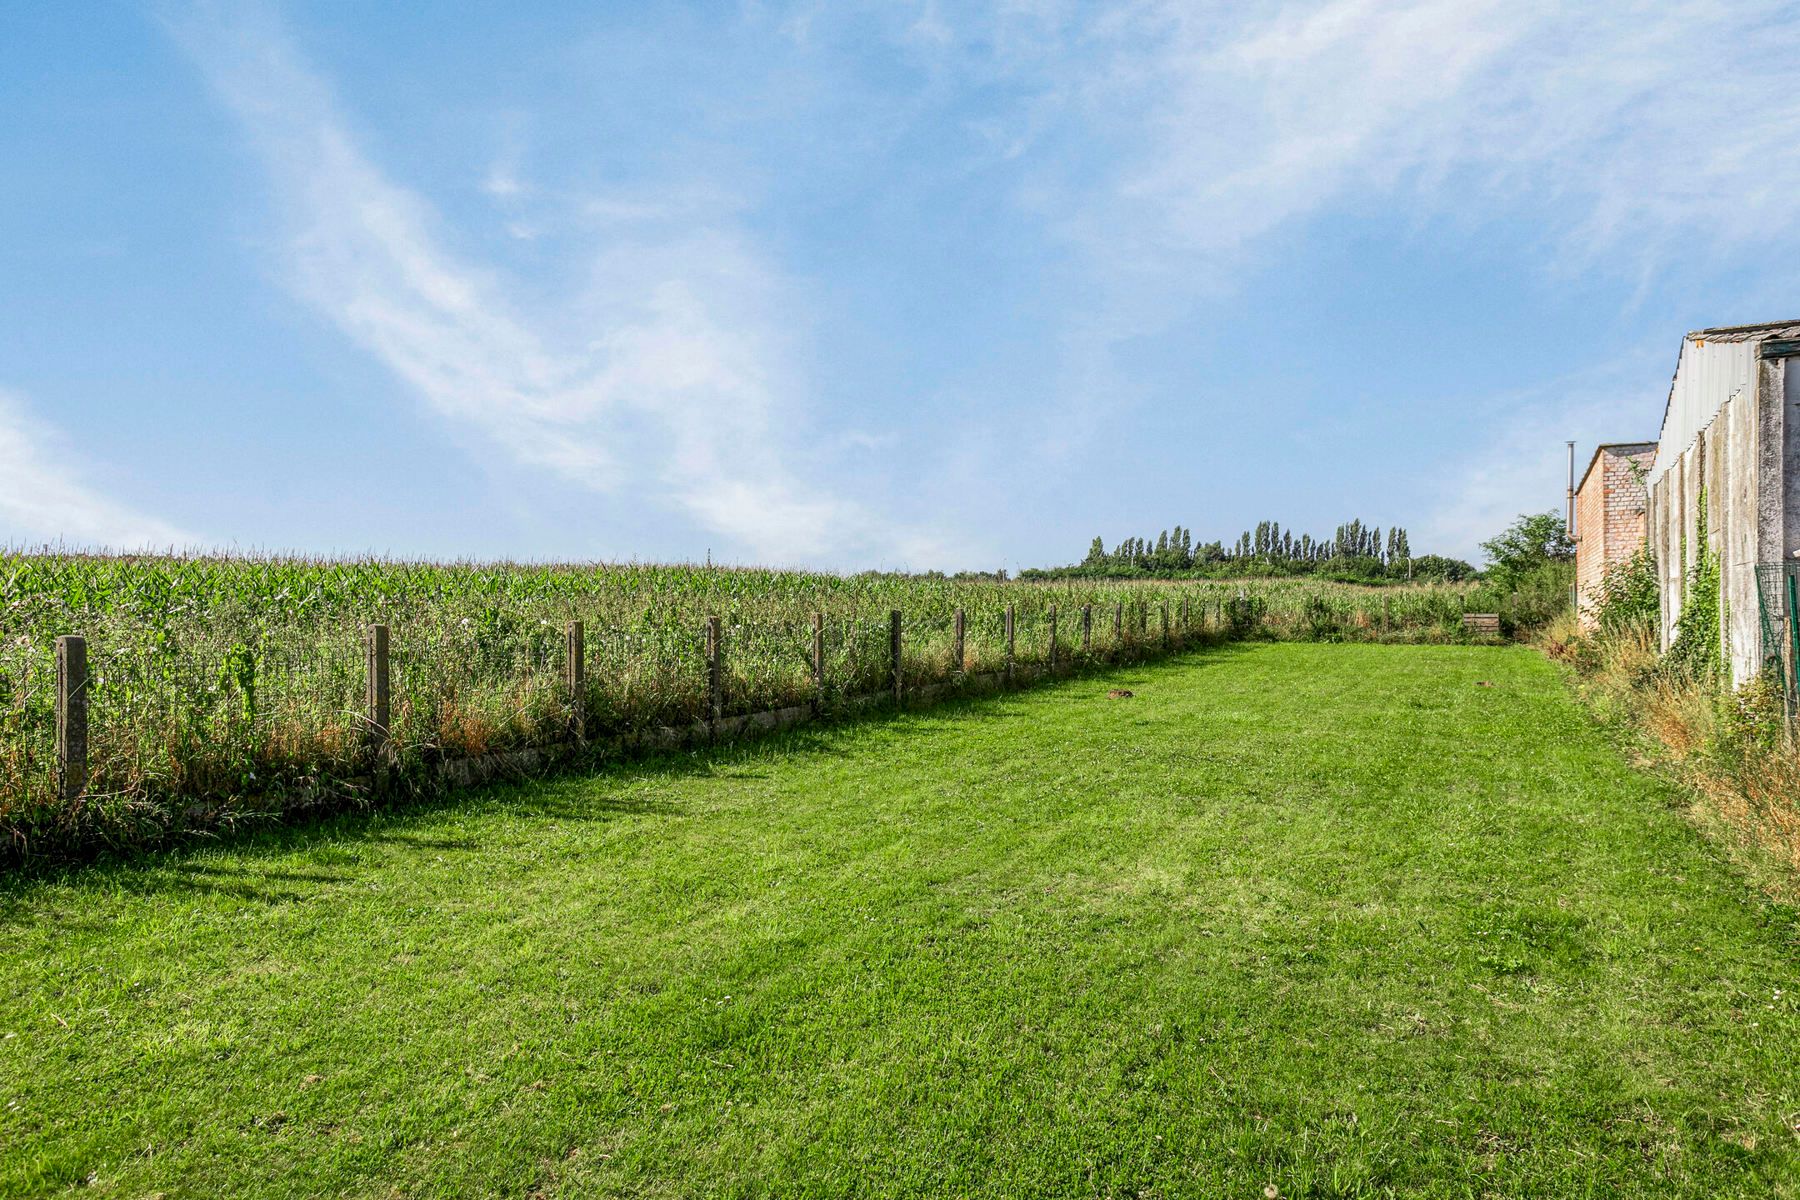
point(231, 689)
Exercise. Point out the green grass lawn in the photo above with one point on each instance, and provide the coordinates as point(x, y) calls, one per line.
point(1330, 919)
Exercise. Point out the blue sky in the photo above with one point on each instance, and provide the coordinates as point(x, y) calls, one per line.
point(843, 285)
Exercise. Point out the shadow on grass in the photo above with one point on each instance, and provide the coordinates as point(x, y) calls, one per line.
point(577, 790)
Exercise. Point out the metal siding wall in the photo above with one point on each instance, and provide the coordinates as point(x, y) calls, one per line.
point(1705, 377)
point(1732, 425)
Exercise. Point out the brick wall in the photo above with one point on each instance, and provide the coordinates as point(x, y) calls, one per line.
point(1611, 519)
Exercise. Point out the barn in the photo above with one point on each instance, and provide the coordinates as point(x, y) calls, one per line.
point(1724, 491)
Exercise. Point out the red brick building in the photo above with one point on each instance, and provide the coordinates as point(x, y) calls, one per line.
point(1611, 521)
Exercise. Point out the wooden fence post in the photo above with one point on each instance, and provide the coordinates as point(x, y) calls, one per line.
point(71, 717)
point(818, 661)
point(1009, 643)
point(1165, 624)
point(1184, 618)
point(377, 698)
point(1087, 628)
point(1118, 625)
point(575, 677)
point(894, 647)
point(715, 668)
point(959, 647)
point(1053, 639)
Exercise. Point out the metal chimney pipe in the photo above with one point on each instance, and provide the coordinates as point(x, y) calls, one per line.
point(1569, 512)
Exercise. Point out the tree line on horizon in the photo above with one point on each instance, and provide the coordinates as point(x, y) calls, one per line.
point(1354, 552)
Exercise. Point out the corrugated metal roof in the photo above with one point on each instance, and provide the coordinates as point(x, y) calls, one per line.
point(1714, 365)
point(1745, 333)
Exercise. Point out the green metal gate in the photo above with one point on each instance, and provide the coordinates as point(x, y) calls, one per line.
point(1777, 606)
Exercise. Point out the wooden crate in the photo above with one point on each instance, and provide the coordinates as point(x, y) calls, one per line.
point(1482, 622)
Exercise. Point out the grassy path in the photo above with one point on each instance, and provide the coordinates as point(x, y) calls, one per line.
point(1329, 918)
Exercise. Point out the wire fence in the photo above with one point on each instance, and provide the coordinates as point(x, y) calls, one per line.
point(183, 729)
point(178, 727)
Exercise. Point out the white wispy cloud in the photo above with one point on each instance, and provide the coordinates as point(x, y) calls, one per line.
point(502, 181)
point(43, 500)
point(1626, 129)
point(1163, 142)
point(1168, 141)
point(671, 380)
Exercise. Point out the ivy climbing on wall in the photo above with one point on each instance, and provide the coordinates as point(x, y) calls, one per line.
point(1695, 648)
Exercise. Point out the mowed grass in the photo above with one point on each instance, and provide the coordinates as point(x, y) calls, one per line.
point(1330, 919)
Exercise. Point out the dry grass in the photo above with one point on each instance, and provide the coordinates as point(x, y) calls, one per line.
point(1760, 803)
point(1741, 769)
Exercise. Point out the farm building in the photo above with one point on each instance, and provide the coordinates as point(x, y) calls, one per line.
point(1611, 516)
point(1726, 480)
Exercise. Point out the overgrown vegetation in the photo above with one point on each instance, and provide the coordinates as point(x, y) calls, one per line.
point(1629, 597)
point(231, 690)
point(1530, 576)
point(1695, 647)
point(1727, 745)
point(1294, 921)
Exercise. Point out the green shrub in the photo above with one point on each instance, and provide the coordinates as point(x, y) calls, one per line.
point(1530, 574)
point(1321, 622)
point(1629, 594)
point(1522, 551)
point(1527, 598)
